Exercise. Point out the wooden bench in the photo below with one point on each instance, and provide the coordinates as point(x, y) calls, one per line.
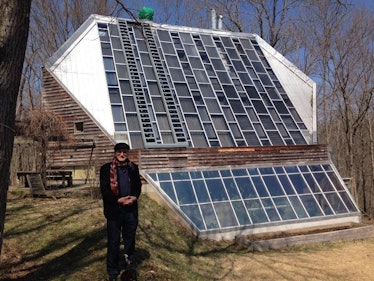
point(36, 185)
point(22, 176)
point(60, 175)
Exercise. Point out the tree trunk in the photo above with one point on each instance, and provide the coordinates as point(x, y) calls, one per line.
point(14, 25)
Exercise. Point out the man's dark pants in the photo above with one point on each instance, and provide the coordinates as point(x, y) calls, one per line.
point(128, 223)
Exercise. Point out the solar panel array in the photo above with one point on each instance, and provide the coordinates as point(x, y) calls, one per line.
point(173, 87)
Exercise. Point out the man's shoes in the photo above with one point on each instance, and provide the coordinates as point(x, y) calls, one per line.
point(129, 275)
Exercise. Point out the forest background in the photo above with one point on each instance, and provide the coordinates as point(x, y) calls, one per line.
point(329, 40)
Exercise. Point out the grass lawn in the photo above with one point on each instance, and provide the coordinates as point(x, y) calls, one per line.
point(65, 239)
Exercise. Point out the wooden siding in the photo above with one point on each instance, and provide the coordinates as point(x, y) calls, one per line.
point(91, 148)
point(193, 158)
point(82, 153)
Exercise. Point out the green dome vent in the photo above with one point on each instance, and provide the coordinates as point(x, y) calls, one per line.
point(146, 13)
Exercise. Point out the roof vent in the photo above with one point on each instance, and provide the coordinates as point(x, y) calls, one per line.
point(214, 19)
point(146, 13)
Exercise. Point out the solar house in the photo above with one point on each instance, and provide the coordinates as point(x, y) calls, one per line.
point(223, 127)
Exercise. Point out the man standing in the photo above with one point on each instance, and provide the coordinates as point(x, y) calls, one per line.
point(120, 187)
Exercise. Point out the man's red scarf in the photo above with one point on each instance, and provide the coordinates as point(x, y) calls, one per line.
point(113, 174)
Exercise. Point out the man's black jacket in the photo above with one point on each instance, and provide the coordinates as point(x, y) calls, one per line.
point(111, 207)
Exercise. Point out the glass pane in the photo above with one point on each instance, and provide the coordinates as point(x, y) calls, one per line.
point(225, 214)
point(201, 191)
point(168, 48)
point(193, 213)
point(211, 174)
point(216, 190)
point(164, 177)
point(177, 74)
point(335, 181)
point(312, 183)
point(231, 188)
point(311, 206)
point(295, 202)
point(299, 184)
point(196, 175)
point(106, 49)
point(336, 203)
point(284, 208)
point(323, 182)
point(209, 216)
point(184, 192)
point(186, 38)
point(246, 188)
point(323, 204)
point(180, 175)
point(111, 79)
point(273, 186)
point(286, 184)
point(193, 123)
point(255, 211)
point(167, 187)
point(116, 43)
point(241, 213)
point(117, 113)
point(270, 209)
point(260, 187)
point(114, 95)
point(119, 57)
point(133, 122)
point(348, 202)
point(109, 64)
point(164, 35)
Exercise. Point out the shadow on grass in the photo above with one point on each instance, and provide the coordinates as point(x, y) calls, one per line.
point(75, 253)
point(81, 256)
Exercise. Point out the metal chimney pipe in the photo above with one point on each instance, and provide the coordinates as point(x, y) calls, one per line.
point(214, 19)
point(220, 22)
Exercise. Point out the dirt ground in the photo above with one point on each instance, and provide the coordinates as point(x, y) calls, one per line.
point(338, 261)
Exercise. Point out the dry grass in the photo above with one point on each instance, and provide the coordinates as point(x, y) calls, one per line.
point(64, 239)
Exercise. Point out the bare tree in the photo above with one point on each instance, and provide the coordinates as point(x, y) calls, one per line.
point(14, 25)
point(270, 19)
point(51, 24)
point(352, 63)
point(44, 127)
point(336, 43)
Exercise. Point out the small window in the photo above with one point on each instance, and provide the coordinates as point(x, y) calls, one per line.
point(78, 127)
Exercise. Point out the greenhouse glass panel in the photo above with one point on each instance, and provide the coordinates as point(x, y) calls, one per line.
point(311, 205)
point(193, 213)
point(255, 211)
point(241, 213)
point(220, 199)
point(184, 192)
point(336, 203)
point(225, 214)
point(270, 209)
point(216, 190)
point(167, 187)
point(284, 208)
point(201, 191)
point(324, 204)
point(246, 188)
point(209, 216)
